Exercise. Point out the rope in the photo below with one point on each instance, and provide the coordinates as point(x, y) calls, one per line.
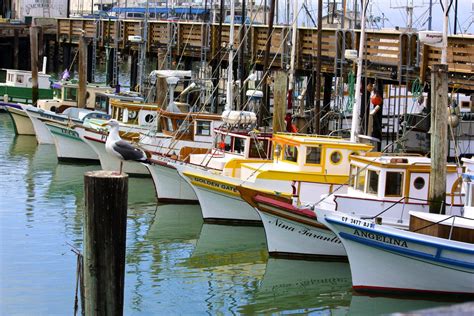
point(416, 89)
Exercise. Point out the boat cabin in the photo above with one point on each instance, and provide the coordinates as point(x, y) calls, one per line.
point(23, 79)
point(394, 178)
point(235, 144)
point(193, 126)
point(302, 157)
point(66, 94)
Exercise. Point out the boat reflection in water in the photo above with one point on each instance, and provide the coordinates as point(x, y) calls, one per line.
point(222, 245)
point(378, 305)
point(289, 284)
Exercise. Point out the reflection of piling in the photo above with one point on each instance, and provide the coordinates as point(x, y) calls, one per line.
point(104, 242)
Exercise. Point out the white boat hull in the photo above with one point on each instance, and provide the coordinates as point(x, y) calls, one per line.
point(291, 238)
point(96, 141)
point(169, 185)
point(43, 135)
point(69, 145)
point(388, 259)
point(219, 199)
point(23, 124)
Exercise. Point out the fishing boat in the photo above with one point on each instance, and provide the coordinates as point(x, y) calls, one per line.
point(18, 84)
point(387, 259)
point(247, 144)
point(26, 117)
point(436, 255)
point(380, 186)
point(319, 162)
point(68, 142)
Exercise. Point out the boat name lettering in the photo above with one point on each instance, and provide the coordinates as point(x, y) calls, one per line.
point(69, 132)
point(357, 222)
point(307, 233)
point(216, 185)
point(384, 239)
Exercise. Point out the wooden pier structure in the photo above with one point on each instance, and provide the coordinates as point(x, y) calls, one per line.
point(396, 57)
point(393, 56)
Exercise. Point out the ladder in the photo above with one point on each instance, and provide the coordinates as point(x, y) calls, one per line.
point(206, 39)
point(115, 56)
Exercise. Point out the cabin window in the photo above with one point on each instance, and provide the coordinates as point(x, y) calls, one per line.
point(290, 153)
point(352, 175)
point(419, 183)
point(336, 157)
point(313, 155)
point(203, 128)
point(360, 179)
point(258, 148)
point(70, 94)
point(239, 145)
point(226, 143)
point(101, 103)
point(470, 194)
point(19, 78)
point(394, 184)
point(373, 182)
point(11, 77)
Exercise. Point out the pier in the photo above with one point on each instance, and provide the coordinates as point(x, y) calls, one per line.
point(396, 57)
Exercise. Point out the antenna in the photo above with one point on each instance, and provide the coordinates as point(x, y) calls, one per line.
point(409, 9)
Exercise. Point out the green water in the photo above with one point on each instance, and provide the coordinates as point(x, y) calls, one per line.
point(175, 264)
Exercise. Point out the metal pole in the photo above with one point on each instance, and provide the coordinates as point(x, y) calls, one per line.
point(360, 59)
point(317, 107)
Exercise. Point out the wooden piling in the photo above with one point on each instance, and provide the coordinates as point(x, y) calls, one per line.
point(82, 89)
point(439, 137)
point(34, 63)
point(105, 224)
point(279, 101)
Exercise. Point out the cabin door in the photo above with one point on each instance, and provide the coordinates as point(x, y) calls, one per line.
point(418, 187)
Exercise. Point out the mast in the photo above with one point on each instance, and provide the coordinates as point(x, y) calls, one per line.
point(356, 109)
point(317, 108)
point(444, 50)
point(291, 80)
point(229, 94)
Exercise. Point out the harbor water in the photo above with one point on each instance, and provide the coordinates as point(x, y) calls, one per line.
point(175, 263)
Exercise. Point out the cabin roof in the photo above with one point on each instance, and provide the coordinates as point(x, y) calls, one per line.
point(306, 139)
point(398, 161)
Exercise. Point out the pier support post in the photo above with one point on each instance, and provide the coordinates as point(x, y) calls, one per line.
point(82, 90)
point(90, 53)
point(279, 101)
point(34, 63)
point(105, 224)
point(110, 66)
point(133, 69)
point(16, 49)
point(439, 137)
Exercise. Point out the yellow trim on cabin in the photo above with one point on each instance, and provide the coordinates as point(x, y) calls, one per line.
point(237, 162)
point(304, 177)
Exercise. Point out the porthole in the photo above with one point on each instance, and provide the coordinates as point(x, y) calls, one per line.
point(336, 157)
point(149, 118)
point(419, 183)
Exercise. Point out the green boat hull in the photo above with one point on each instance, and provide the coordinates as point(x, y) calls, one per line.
point(23, 95)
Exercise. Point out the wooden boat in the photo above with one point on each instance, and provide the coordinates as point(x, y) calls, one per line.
point(384, 258)
point(318, 162)
point(18, 84)
point(381, 186)
point(68, 142)
point(435, 256)
point(171, 186)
